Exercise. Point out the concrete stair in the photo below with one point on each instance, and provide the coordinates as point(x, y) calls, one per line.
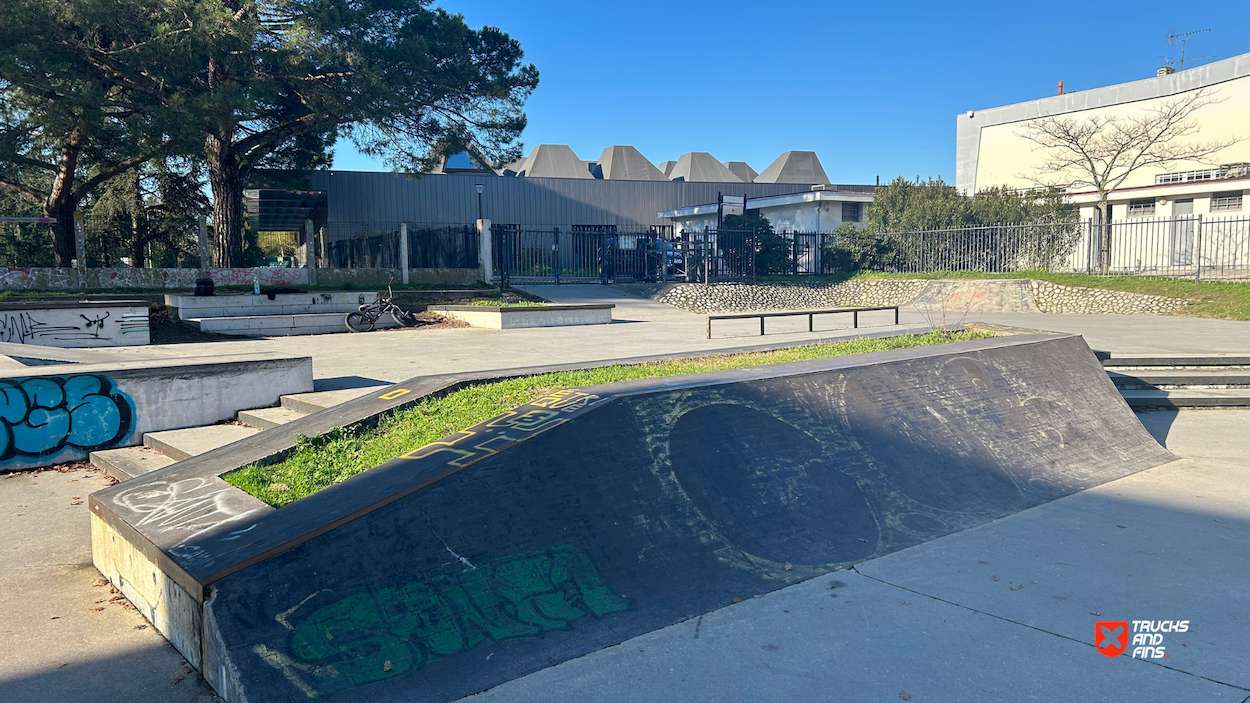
point(161, 449)
point(269, 418)
point(126, 463)
point(308, 403)
point(280, 325)
point(1169, 382)
point(284, 315)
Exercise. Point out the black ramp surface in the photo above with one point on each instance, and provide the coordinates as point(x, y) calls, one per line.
point(658, 501)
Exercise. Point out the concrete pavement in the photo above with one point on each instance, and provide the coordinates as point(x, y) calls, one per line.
point(1002, 612)
point(62, 637)
point(644, 327)
point(863, 648)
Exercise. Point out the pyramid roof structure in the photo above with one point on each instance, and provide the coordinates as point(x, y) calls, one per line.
point(700, 166)
point(625, 163)
point(554, 161)
point(742, 170)
point(794, 167)
point(666, 167)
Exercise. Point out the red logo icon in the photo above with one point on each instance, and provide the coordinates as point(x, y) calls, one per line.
point(1111, 637)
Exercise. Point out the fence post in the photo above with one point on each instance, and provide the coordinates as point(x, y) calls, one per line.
point(555, 252)
point(205, 259)
point(80, 249)
point(310, 253)
point(403, 252)
point(485, 257)
point(1198, 251)
point(707, 256)
point(755, 234)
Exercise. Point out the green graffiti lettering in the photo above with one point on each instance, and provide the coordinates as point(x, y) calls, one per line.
point(372, 636)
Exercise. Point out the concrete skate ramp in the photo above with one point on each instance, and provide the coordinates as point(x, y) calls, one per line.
point(957, 296)
point(598, 514)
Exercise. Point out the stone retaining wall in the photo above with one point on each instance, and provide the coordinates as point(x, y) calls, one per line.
point(1048, 297)
point(732, 297)
point(1052, 297)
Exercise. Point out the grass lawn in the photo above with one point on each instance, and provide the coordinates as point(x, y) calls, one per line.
point(1222, 301)
point(336, 456)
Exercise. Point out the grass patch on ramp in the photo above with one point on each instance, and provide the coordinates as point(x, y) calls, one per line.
point(322, 461)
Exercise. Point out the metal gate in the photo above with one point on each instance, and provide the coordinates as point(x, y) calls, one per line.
point(582, 256)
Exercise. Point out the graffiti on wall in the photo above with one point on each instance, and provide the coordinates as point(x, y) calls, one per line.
point(391, 632)
point(69, 328)
point(22, 328)
point(67, 278)
point(45, 415)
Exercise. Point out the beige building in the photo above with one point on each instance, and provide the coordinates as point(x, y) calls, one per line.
point(992, 151)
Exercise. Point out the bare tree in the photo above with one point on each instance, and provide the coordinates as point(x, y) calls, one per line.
point(1102, 151)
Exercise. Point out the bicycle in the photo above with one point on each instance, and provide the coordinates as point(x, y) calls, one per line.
point(364, 319)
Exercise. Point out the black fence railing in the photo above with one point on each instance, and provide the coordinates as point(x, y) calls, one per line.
point(378, 245)
point(1198, 247)
point(582, 255)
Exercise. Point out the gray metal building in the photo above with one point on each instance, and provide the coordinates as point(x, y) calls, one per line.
point(452, 199)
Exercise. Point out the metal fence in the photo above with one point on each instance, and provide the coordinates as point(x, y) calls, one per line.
point(1192, 247)
point(108, 242)
point(1200, 247)
point(379, 245)
point(581, 255)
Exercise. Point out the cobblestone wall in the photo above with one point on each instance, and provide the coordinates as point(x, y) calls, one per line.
point(1048, 297)
point(731, 297)
point(1052, 297)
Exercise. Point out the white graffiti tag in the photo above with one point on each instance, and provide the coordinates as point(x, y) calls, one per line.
point(190, 504)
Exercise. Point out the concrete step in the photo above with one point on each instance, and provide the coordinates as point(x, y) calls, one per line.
point(316, 401)
point(1179, 378)
point(184, 444)
point(279, 325)
point(1205, 398)
point(269, 418)
point(126, 463)
point(1151, 361)
point(341, 302)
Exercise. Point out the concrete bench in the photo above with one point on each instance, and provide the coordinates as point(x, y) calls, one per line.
point(811, 316)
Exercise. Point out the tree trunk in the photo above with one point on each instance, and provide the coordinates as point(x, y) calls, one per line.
point(60, 203)
point(226, 179)
point(1104, 238)
point(138, 225)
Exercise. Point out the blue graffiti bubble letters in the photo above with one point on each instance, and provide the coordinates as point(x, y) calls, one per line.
point(47, 414)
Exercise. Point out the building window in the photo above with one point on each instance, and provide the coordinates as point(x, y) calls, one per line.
point(1141, 208)
point(1228, 200)
point(852, 212)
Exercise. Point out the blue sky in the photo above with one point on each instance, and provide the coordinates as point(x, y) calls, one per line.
point(872, 88)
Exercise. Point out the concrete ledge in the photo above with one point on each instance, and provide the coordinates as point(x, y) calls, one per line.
point(515, 317)
point(91, 407)
point(281, 325)
point(190, 306)
point(1186, 398)
point(66, 324)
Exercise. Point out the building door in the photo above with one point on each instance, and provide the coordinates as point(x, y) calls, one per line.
point(1183, 232)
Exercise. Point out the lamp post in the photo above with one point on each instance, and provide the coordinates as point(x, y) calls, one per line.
point(479, 187)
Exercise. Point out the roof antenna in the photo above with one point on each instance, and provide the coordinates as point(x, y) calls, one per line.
point(1184, 38)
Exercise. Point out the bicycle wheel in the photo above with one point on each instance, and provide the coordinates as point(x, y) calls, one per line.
point(403, 319)
point(358, 322)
